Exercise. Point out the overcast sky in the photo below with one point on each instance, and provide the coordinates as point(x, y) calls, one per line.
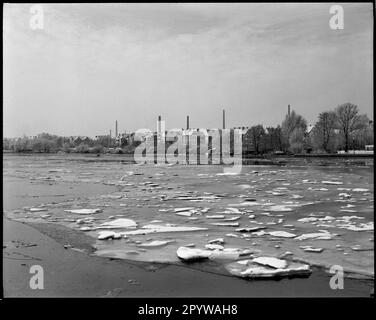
point(93, 64)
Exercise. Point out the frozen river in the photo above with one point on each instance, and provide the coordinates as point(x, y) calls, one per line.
point(317, 211)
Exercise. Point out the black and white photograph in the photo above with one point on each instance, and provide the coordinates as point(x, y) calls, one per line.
point(188, 150)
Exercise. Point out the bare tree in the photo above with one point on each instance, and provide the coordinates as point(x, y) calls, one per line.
point(297, 140)
point(293, 123)
point(274, 138)
point(256, 134)
point(324, 130)
point(349, 121)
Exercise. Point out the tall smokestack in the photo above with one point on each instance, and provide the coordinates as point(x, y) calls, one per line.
point(187, 122)
point(288, 109)
point(116, 129)
point(224, 119)
point(159, 124)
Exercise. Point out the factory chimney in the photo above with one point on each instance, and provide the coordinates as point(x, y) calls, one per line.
point(187, 122)
point(224, 119)
point(288, 110)
point(116, 129)
point(159, 124)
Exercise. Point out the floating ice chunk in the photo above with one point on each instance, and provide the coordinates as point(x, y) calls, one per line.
point(327, 218)
point(360, 190)
point(189, 254)
point(282, 234)
point(227, 174)
point(253, 270)
point(359, 248)
point(345, 195)
point(318, 189)
point(274, 193)
point(311, 249)
point(323, 235)
point(226, 224)
point(260, 233)
point(253, 229)
point(225, 254)
point(214, 246)
point(285, 254)
point(103, 235)
point(348, 210)
point(361, 227)
point(309, 219)
point(280, 208)
point(218, 240)
point(244, 186)
point(348, 206)
point(231, 235)
point(271, 262)
point(56, 170)
point(37, 209)
point(156, 221)
point(348, 218)
point(85, 229)
point(161, 229)
point(84, 211)
point(332, 182)
point(232, 218)
point(183, 209)
point(155, 243)
point(246, 204)
point(296, 196)
point(119, 224)
point(215, 216)
point(184, 213)
point(232, 211)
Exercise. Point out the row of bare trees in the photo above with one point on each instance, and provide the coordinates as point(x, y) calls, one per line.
point(340, 129)
point(344, 128)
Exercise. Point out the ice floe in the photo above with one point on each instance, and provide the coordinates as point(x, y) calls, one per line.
point(332, 182)
point(37, 209)
point(280, 208)
point(360, 190)
point(311, 249)
point(322, 235)
point(192, 254)
point(282, 234)
point(249, 269)
point(252, 229)
point(226, 224)
point(218, 241)
point(155, 243)
point(271, 262)
point(103, 235)
point(84, 211)
point(214, 246)
point(161, 229)
point(118, 224)
point(361, 227)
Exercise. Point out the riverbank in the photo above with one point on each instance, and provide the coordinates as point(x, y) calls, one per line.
point(73, 273)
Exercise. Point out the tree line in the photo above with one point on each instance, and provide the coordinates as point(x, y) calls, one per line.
point(343, 128)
